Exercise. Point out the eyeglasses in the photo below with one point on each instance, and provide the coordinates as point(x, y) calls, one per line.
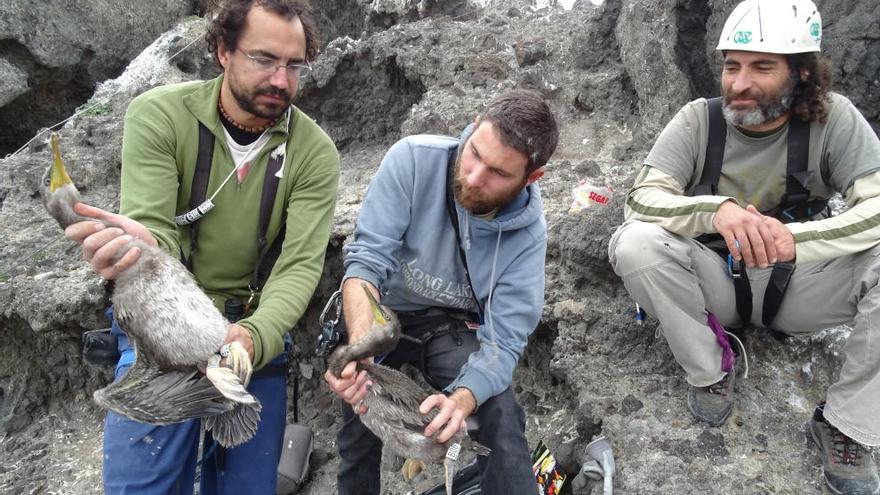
point(270, 65)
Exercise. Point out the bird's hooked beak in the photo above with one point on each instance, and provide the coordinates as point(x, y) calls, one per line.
point(380, 316)
point(58, 174)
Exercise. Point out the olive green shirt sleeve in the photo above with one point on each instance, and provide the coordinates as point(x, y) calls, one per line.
point(657, 197)
point(850, 157)
point(856, 229)
point(149, 177)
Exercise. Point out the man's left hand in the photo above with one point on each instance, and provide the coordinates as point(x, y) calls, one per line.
point(240, 334)
point(454, 409)
point(783, 239)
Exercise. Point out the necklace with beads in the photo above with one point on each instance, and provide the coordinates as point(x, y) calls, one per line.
point(252, 130)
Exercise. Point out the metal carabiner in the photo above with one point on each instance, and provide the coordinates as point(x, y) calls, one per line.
point(335, 301)
point(330, 335)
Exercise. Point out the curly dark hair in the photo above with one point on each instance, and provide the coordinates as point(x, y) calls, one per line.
point(525, 123)
point(810, 95)
point(227, 18)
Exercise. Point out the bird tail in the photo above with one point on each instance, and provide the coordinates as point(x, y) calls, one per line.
point(234, 427)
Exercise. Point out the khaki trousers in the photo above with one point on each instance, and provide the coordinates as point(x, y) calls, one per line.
point(677, 280)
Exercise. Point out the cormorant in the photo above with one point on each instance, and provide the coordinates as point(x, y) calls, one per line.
point(175, 330)
point(393, 399)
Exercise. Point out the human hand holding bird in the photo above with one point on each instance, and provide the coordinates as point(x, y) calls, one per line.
point(103, 235)
point(417, 426)
point(174, 328)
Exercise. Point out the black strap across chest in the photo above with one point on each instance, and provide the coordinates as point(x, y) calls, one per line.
point(453, 217)
point(199, 192)
point(795, 204)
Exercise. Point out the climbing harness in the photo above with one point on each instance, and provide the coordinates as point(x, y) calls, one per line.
point(795, 205)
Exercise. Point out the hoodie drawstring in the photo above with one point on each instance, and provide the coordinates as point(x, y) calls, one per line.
point(491, 293)
point(467, 233)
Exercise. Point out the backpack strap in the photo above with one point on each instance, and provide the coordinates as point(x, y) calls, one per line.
point(798, 157)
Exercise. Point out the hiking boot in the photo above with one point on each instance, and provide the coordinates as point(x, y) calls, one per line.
point(846, 464)
point(714, 403)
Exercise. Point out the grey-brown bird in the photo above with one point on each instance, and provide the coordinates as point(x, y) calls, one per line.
point(175, 330)
point(393, 399)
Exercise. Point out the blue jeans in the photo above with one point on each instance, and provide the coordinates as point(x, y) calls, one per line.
point(507, 470)
point(147, 459)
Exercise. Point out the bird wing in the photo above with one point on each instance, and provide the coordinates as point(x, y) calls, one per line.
point(154, 396)
point(401, 397)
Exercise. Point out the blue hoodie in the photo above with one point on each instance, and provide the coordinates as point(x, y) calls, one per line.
point(405, 245)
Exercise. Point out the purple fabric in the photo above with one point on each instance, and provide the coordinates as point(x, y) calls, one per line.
point(727, 355)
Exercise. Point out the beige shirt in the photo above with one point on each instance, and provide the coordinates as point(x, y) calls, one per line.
point(844, 157)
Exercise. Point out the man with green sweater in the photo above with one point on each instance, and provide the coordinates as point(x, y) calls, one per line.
point(261, 143)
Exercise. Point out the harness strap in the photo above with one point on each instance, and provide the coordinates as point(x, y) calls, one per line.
point(780, 276)
point(453, 217)
point(743, 290)
point(450, 323)
point(795, 205)
point(708, 185)
point(199, 192)
point(270, 190)
point(199, 189)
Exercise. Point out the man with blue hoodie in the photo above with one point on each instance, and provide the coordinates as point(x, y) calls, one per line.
point(452, 237)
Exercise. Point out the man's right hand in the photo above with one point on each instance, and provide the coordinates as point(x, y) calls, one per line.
point(757, 246)
point(100, 243)
point(350, 386)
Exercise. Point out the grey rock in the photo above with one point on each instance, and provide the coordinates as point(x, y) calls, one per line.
point(66, 48)
point(529, 52)
point(13, 82)
point(614, 74)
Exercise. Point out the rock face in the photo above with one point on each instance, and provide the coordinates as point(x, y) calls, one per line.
point(614, 73)
point(52, 54)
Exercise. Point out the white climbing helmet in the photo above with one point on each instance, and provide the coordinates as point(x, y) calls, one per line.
point(773, 26)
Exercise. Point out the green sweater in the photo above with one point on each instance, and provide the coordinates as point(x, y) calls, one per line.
point(159, 151)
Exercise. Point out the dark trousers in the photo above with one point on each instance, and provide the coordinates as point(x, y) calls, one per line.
point(501, 419)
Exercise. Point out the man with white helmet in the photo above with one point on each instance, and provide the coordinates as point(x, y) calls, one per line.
point(747, 177)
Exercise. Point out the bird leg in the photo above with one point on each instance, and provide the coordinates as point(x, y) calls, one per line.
point(227, 382)
point(239, 362)
point(449, 464)
point(411, 468)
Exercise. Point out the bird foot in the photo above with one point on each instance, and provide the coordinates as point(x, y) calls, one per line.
point(239, 362)
point(411, 468)
point(227, 382)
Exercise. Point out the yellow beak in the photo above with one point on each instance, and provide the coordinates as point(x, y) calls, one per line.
point(58, 176)
point(379, 316)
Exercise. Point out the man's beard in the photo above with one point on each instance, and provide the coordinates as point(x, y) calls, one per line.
point(769, 107)
point(477, 201)
point(248, 101)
